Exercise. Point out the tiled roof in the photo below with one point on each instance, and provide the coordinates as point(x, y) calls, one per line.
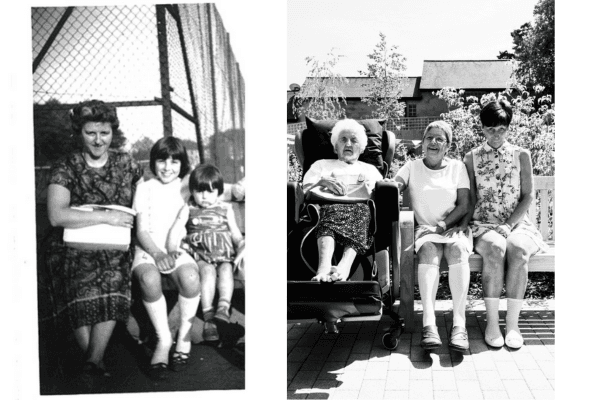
point(354, 88)
point(466, 74)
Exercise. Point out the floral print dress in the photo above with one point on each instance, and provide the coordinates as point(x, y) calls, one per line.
point(498, 182)
point(92, 285)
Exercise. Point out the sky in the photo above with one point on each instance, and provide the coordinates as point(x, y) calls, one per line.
point(422, 30)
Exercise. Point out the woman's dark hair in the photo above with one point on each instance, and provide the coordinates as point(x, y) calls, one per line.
point(93, 111)
point(96, 111)
point(166, 147)
point(206, 177)
point(496, 113)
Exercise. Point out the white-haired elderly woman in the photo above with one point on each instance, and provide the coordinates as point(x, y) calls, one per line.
point(439, 193)
point(346, 224)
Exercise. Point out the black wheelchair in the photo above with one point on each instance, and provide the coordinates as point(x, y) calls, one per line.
point(373, 286)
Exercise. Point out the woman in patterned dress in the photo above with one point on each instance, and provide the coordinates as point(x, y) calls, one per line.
point(501, 177)
point(93, 284)
point(347, 224)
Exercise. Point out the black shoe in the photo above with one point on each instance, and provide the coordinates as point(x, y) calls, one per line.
point(158, 371)
point(430, 339)
point(179, 361)
point(459, 340)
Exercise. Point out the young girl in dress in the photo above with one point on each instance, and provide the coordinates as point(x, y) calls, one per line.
point(157, 202)
point(212, 237)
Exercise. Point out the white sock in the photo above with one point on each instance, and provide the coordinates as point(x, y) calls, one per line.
point(188, 307)
point(458, 278)
point(493, 336)
point(157, 311)
point(513, 334)
point(428, 278)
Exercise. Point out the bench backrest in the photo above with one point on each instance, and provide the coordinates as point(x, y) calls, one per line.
point(544, 197)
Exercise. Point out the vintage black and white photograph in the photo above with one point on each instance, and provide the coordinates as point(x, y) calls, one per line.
point(421, 199)
point(139, 149)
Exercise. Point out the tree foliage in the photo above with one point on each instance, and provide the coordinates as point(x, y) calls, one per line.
point(321, 95)
point(387, 70)
point(532, 126)
point(533, 48)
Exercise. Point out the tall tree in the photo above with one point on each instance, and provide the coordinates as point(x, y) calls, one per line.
point(533, 48)
point(321, 95)
point(387, 70)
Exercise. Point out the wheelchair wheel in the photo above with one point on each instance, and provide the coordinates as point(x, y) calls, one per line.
point(390, 341)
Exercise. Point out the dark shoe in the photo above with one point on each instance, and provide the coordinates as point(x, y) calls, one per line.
point(223, 314)
point(158, 371)
point(430, 339)
point(459, 340)
point(179, 361)
point(210, 332)
point(90, 368)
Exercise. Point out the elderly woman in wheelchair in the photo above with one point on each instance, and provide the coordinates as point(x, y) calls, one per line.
point(345, 222)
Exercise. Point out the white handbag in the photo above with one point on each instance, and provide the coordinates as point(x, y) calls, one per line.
point(101, 236)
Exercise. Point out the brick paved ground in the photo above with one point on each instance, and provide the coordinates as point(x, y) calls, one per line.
point(354, 364)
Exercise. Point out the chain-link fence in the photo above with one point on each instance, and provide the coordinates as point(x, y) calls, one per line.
point(169, 70)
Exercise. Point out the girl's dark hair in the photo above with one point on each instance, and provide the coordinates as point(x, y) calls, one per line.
point(206, 177)
point(496, 113)
point(93, 111)
point(166, 147)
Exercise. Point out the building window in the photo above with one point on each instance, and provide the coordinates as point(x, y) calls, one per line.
point(411, 110)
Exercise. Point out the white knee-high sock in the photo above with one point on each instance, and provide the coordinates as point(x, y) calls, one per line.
point(493, 336)
point(188, 307)
point(513, 334)
point(458, 278)
point(157, 311)
point(428, 278)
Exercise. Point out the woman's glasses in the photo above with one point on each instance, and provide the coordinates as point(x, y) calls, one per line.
point(438, 140)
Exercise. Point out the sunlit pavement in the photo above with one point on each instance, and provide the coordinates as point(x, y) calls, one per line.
point(354, 364)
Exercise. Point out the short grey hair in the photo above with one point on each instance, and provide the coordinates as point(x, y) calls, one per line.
point(352, 126)
point(441, 125)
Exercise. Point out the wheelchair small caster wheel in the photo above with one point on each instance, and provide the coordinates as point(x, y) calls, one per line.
point(331, 328)
point(390, 341)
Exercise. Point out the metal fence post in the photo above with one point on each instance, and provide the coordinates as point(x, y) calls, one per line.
point(163, 59)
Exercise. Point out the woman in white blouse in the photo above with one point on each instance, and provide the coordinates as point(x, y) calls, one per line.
point(439, 192)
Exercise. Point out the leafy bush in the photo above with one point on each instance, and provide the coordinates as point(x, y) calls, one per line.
point(532, 127)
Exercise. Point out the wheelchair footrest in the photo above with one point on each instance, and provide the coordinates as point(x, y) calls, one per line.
point(332, 301)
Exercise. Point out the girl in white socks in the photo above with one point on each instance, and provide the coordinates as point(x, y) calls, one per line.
point(157, 202)
point(501, 177)
point(439, 193)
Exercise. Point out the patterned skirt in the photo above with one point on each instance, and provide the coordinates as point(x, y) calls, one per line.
point(524, 227)
point(348, 224)
point(91, 286)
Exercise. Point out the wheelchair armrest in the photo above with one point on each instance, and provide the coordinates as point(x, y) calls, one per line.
point(295, 199)
point(386, 200)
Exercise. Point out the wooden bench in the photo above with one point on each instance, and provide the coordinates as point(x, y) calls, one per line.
point(544, 190)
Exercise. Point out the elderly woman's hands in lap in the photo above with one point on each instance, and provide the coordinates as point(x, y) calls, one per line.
point(334, 185)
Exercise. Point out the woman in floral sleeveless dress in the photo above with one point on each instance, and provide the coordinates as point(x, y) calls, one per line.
point(501, 177)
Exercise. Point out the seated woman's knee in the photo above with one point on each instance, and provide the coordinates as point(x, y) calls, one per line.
point(516, 251)
point(494, 251)
point(429, 252)
point(456, 252)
